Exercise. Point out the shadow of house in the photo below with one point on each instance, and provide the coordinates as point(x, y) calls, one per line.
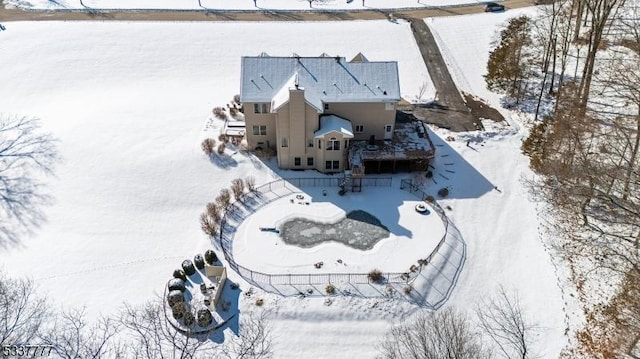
point(450, 170)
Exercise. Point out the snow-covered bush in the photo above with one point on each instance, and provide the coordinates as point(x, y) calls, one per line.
point(210, 257)
point(223, 138)
point(188, 267)
point(188, 318)
point(179, 273)
point(176, 284)
point(204, 317)
point(199, 261)
point(175, 296)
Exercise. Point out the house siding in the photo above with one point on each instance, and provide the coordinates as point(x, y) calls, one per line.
point(257, 119)
point(373, 116)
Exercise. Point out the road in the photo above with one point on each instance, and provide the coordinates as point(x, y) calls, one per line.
point(244, 15)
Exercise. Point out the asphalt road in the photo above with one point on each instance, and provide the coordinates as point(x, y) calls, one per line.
point(245, 15)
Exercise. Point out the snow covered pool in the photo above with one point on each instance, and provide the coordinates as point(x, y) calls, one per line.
point(359, 230)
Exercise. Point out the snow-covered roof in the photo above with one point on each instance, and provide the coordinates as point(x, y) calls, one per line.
point(333, 123)
point(325, 79)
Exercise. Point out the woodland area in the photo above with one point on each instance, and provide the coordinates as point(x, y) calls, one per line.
point(576, 69)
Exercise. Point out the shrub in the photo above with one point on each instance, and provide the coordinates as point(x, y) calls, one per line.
point(330, 289)
point(429, 174)
point(199, 261)
point(208, 146)
point(213, 211)
point(219, 113)
point(223, 138)
point(430, 199)
point(407, 290)
point(250, 183)
point(210, 256)
point(174, 297)
point(208, 226)
point(376, 276)
point(259, 302)
point(224, 198)
point(204, 317)
point(236, 99)
point(221, 148)
point(235, 140)
point(237, 187)
point(179, 273)
point(233, 111)
point(176, 284)
point(443, 192)
point(188, 267)
point(177, 313)
point(188, 318)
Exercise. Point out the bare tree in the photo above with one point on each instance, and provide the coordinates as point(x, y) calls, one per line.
point(151, 336)
point(224, 198)
point(250, 183)
point(503, 319)
point(237, 188)
point(214, 212)
point(443, 334)
point(22, 312)
point(254, 341)
point(25, 151)
point(72, 336)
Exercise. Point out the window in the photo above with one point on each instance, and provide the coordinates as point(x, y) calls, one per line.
point(388, 128)
point(296, 161)
point(326, 106)
point(259, 130)
point(359, 128)
point(333, 144)
point(332, 165)
point(285, 142)
point(320, 144)
point(310, 143)
point(309, 161)
point(260, 108)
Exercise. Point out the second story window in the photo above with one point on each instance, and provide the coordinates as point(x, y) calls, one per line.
point(359, 128)
point(333, 144)
point(285, 142)
point(260, 108)
point(260, 130)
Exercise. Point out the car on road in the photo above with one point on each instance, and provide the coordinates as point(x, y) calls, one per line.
point(493, 7)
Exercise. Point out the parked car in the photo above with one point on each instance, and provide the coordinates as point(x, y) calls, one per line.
point(493, 7)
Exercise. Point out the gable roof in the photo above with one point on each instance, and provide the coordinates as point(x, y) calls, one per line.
point(333, 123)
point(324, 79)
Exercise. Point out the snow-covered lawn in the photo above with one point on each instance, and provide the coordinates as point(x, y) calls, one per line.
point(129, 102)
point(251, 5)
point(412, 235)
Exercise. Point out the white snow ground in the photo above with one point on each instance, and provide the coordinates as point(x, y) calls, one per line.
point(245, 5)
point(129, 101)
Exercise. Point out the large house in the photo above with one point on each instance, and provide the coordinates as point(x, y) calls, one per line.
point(309, 108)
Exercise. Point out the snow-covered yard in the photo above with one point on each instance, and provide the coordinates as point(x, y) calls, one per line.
point(129, 102)
point(412, 235)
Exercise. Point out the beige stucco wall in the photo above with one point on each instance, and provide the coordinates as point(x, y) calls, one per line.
point(297, 121)
point(373, 116)
point(251, 119)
